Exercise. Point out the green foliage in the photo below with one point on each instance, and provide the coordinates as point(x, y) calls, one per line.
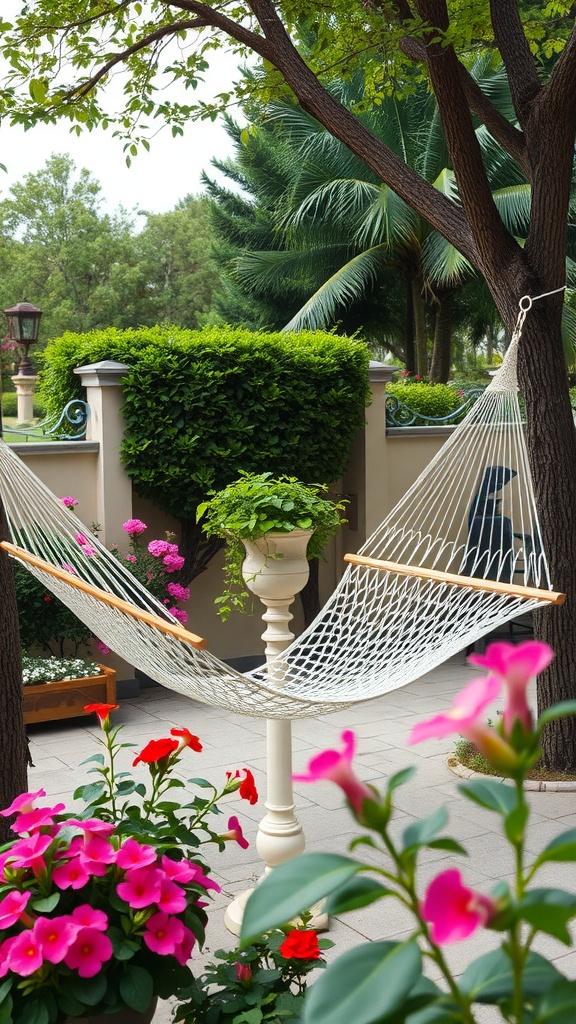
point(10, 405)
point(253, 985)
point(257, 504)
point(44, 621)
point(425, 398)
point(202, 406)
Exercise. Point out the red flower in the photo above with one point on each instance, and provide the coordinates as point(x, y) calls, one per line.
point(155, 750)
point(47, 598)
point(300, 945)
point(187, 739)
point(248, 789)
point(243, 973)
point(102, 710)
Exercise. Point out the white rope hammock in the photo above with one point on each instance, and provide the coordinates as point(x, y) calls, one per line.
point(459, 555)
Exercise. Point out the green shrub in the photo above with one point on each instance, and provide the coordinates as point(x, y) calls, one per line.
point(44, 621)
point(201, 406)
point(427, 399)
point(10, 405)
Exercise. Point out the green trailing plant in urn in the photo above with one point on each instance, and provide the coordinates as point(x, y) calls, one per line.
point(257, 504)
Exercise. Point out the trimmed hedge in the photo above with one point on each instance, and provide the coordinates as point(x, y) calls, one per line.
point(426, 399)
point(202, 405)
point(10, 405)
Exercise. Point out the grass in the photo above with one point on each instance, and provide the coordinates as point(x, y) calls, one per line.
point(469, 756)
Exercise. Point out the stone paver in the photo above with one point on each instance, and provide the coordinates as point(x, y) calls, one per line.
point(232, 741)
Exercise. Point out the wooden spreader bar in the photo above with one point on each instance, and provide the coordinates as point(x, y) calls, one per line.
point(471, 582)
point(171, 629)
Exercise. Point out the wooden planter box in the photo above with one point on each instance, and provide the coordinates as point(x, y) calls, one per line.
point(51, 701)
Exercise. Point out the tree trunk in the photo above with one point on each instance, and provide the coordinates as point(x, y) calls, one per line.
point(409, 345)
point(13, 742)
point(442, 351)
point(421, 340)
point(552, 450)
point(197, 550)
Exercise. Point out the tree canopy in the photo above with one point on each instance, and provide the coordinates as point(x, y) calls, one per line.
point(60, 60)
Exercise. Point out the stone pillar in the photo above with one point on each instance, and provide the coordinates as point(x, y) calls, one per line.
point(113, 487)
point(25, 390)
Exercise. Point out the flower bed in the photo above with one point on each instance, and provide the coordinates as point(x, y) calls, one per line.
point(48, 701)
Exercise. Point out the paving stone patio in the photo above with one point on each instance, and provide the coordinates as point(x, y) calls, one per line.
point(382, 726)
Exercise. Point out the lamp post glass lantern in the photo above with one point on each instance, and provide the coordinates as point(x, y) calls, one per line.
point(24, 322)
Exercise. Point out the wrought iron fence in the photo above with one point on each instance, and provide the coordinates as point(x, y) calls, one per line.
point(400, 415)
point(70, 425)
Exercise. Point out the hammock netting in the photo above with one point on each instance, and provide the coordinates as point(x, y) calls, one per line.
point(471, 513)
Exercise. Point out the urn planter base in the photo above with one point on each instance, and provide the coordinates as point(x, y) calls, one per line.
point(52, 701)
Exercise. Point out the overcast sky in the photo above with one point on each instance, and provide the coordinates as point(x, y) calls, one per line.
point(155, 181)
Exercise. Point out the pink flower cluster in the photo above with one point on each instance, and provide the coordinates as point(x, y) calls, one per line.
point(57, 856)
point(168, 553)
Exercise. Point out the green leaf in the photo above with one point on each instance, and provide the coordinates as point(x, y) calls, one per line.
point(562, 848)
point(400, 778)
point(358, 892)
point(44, 906)
point(494, 796)
point(34, 1011)
point(88, 990)
point(5, 988)
point(549, 910)
point(421, 832)
point(364, 984)
point(136, 988)
point(561, 710)
point(293, 887)
point(98, 758)
point(490, 980)
point(557, 1005)
point(515, 823)
point(90, 793)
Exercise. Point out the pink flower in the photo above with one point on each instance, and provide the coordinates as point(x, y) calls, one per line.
point(102, 647)
point(515, 665)
point(184, 948)
point(69, 568)
point(135, 855)
point(88, 551)
point(134, 526)
point(12, 907)
point(173, 562)
point(55, 936)
point(178, 592)
point(336, 766)
point(25, 954)
point(159, 548)
point(86, 916)
point(179, 614)
point(92, 826)
point(29, 853)
point(23, 803)
point(243, 973)
point(463, 718)
point(141, 887)
point(131, 558)
point(80, 539)
point(90, 950)
point(32, 820)
point(71, 875)
point(454, 910)
point(163, 933)
point(172, 898)
point(69, 502)
point(235, 832)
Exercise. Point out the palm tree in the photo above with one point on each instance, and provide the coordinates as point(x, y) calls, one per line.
point(339, 221)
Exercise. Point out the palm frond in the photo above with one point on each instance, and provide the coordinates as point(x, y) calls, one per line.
point(513, 205)
point(342, 200)
point(443, 265)
point(388, 221)
point(347, 285)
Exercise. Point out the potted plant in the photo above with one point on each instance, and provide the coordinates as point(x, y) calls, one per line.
point(254, 514)
point(100, 910)
point(265, 982)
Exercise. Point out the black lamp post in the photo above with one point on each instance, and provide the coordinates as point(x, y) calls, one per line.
point(24, 321)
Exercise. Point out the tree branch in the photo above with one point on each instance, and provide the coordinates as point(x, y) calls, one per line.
point(515, 52)
point(558, 93)
point(486, 226)
point(499, 127)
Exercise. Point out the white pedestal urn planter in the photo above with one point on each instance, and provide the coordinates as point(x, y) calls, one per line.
point(276, 569)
